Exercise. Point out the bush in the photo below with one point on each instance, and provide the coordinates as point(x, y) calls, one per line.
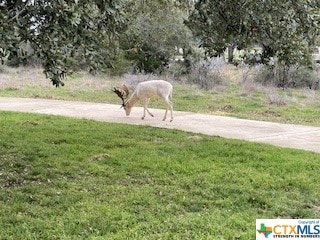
point(121, 65)
point(176, 70)
point(23, 56)
point(148, 59)
point(303, 77)
point(2, 68)
point(207, 73)
point(293, 77)
point(273, 98)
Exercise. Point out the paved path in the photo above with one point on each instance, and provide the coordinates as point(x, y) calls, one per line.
point(285, 135)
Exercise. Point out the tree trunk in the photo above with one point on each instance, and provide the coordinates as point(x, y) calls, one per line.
point(230, 53)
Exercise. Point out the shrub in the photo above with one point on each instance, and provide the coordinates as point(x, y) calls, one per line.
point(207, 73)
point(292, 77)
point(2, 68)
point(176, 70)
point(148, 58)
point(303, 77)
point(121, 65)
point(273, 98)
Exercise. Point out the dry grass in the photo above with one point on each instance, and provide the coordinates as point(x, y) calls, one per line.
point(274, 98)
point(16, 78)
point(24, 78)
point(28, 77)
point(131, 80)
point(235, 74)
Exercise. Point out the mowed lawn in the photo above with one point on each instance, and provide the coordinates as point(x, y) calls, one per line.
point(63, 178)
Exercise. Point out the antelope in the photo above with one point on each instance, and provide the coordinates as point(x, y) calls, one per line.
point(143, 92)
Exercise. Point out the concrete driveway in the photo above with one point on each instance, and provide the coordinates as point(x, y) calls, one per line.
point(284, 135)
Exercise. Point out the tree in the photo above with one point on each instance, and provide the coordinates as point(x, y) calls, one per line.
point(284, 29)
point(61, 32)
point(155, 32)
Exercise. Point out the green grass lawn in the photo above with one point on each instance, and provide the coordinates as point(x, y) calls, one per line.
point(63, 178)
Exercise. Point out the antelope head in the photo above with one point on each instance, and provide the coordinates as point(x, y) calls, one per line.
point(122, 93)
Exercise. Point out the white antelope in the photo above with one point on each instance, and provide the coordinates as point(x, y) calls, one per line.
point(143, 92)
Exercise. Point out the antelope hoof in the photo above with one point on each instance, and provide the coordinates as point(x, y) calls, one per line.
point(142, 118)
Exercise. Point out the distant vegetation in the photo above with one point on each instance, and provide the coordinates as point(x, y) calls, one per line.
point(126, 36)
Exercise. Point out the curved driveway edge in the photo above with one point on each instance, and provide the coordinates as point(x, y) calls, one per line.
point(284, 135)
